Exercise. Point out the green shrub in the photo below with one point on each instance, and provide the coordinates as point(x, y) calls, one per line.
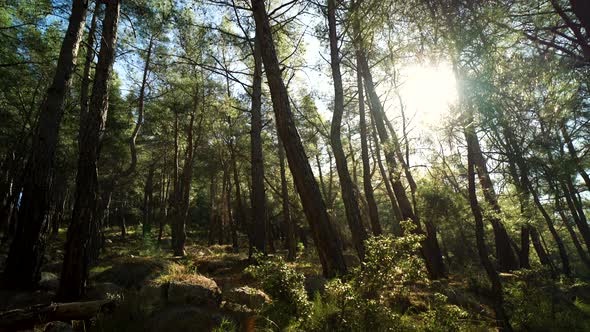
point(442, 316)
point(286, 289)
point(536, 302)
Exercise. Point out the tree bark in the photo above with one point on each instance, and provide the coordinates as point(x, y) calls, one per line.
point(290, 223)
point(326, 239)
point(76, 259)
point(85, 84)
point(257, 227)
point(505, 255)
point(28, 246)
point(367, 185)
point(482, 250)
point(353, 213)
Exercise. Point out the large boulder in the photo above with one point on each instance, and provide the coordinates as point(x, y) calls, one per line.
point(196, 290)
point(58, 327)
point(49, 281)
point(183, 318)
point(132, 272)
point(250, 297)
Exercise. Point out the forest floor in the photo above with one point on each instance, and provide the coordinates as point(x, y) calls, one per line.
point(210, 287)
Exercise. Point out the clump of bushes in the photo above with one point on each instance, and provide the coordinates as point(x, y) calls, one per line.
point(535, 302)
point(285, 286)
point(373, 297)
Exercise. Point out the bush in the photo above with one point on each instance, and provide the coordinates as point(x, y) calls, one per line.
point(286, 289)
point(536, 302)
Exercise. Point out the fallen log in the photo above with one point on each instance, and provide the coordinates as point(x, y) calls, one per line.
point(22, 319)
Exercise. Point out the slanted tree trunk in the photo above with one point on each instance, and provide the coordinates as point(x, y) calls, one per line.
point(583, 255)
point(290, 223)
point(505, 255)
point(28, 246)
point(574, 155)
point(397, 214)
point(371, 204)
point(541, 252)
point(77, 254)
point(326, 239)
point(353, 213)
point(577, 214)
point(482, 250)
point(430, 248)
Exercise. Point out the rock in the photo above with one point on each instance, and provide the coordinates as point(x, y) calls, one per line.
point(183, 318)
point(153, 295)
point(49, 281)
point(197, 290)
point(250, 297)
point(132, 272)
point(314, 284)
point(104, 291)
point(58, 327)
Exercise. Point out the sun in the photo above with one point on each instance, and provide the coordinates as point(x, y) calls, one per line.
point(427, 91)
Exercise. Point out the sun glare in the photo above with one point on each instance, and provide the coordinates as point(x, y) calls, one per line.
point(427, 92)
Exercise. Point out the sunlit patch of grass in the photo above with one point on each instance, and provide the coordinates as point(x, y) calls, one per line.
point(100, 268)
point(582, 306)
point(179, 273)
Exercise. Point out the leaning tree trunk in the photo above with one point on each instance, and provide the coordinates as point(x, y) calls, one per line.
point(290, 223)
point(326, 239)
point(482, 250)
point(28, 246)
point(397, 214)
point(349, 197)
point(371, 204)
point(430, 248)
point(505, 255)
point(76, 259)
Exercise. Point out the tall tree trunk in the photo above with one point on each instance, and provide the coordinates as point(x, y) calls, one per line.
point(577, 213)
point(493, 276)
point(541, 252)
point(397, 214)
point(574, 155)
point(212, 208)
point(430, 248)
point(290, 223)
point(353, 213)
point(371, 204)
point(326, 239)
point(28, 246)
point(565, 263)
point(258, 199)
point(505, 255)
point(232, 220)
point(525, 246)
point(76, 259)
point(583, 255)
point(140, 111)
point(88, 59)
point(147, 201)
